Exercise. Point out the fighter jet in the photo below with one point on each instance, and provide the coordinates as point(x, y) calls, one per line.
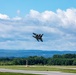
point(38, 37)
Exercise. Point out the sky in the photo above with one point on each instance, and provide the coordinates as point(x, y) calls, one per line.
point(56, 19)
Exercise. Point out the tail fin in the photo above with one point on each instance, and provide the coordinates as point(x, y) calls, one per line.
point(42, 34)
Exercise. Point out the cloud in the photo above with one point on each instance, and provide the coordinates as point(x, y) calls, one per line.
point(17, 18)
point(18, 12)
point(59, 29)
point(4, 16)
point(67, 17)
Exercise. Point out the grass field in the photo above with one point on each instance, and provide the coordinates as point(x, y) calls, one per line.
point(69, 69)
point(6, 73)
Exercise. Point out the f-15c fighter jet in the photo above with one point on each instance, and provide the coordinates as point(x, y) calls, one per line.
point(38, 37)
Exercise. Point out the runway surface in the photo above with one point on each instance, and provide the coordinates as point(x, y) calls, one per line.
point(36, 72)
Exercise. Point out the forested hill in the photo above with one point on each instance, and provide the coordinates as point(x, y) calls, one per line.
point(26, 53)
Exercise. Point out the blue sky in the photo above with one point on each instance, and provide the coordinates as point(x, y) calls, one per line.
point(10, 7)
point(54, 18)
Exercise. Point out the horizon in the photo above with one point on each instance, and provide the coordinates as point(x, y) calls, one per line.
point(27, 53)
point(33, 50)
point(55, 19)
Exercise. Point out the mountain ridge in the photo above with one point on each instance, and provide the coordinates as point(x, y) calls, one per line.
point(26, 53)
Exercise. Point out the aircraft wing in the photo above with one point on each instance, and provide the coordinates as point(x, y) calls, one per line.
point(34, 33)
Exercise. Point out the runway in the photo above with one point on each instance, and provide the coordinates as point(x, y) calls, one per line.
point(36, 72)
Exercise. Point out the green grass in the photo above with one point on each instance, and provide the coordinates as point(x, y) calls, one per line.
point(37, 68)
point(68, 69)
point(7, 73)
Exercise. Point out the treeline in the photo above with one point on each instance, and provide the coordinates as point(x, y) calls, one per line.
point(66, 59)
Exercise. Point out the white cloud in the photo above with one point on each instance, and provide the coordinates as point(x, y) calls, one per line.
point(59, 29)
point(17, 18)
point(4, 16)
point(18, 12)
point(44, 16)
point(67, 17)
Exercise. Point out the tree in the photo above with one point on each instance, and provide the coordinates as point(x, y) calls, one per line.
point(74, 62)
